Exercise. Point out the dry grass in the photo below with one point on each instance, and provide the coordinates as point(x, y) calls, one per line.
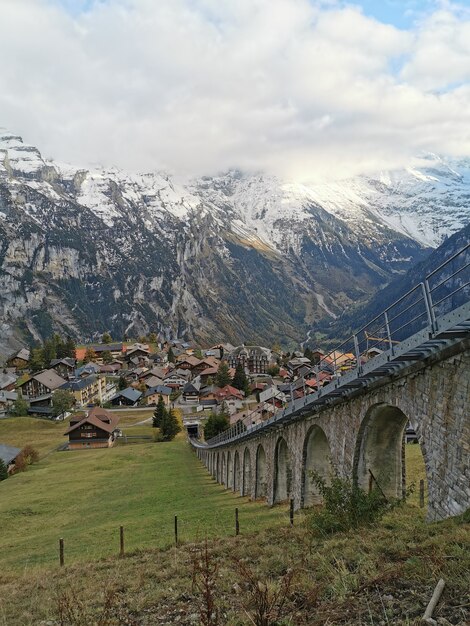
point(44, 435)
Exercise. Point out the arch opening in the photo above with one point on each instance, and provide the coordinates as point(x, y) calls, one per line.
point(316, 458)
point(236, 472)
point(229, 471)
point(261, 486)
point(246, 486)
point(282, 471)
point(223, 473)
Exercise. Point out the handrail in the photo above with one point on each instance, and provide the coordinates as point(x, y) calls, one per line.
point(330, 360)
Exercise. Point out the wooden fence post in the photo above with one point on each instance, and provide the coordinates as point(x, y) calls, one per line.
point(61, 552)
point(237, 523)
point(121, 540)
point(291, 512)
point(421, 493)
point(176, 530)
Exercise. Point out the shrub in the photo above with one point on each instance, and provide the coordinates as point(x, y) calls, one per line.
point(30, 454)
point(3, 470)
point(346, 505)
point(19, 407)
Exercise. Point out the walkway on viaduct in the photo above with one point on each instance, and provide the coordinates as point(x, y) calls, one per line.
point(355, 426)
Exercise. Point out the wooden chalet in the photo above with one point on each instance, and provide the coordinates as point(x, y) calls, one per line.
point(97, 429)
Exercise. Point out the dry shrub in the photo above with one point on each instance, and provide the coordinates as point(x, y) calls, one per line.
point(205, 570)
point(72, 611)
point(27, 456)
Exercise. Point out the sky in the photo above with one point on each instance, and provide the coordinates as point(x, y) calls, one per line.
point(306, 89)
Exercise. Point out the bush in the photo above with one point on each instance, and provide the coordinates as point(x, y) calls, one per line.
point(3, 470)
point(346, 505)
point(27, 456)
point(19, 407)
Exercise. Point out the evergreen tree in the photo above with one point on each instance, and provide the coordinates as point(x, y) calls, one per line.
point(308, 354)
point(169, 426)
point(171, 356)
point(106, 356)
point(223, 375)
point(106, 338)
point(49, 351)
point(216, 423)
point(36, 361)
point(159, 412)
point(70, 348)
point(152, 338)
point(90, 355)
point(240, 380)
point(3, 470)
point(122, 384)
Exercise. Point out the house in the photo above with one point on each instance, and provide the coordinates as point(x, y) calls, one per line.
point(126, 397)
point(152, 395)
point(208, 373)
point(87, 369)
point(64, 367)
point(110, 368)
point(19, 360)
point(97, 429)
point(191, 390)
point(116, 350)
point(41, 384)
point(7, 380)
point(8, 454)
point(87, 390)
point(7, 398)
point(177, 378)
point(137, 353)
point(186, 362)
point(253, 359)
point(152, 381)
point(228, 392)
point(274, 396)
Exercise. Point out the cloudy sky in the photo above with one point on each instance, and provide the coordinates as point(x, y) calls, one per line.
point(304, 88)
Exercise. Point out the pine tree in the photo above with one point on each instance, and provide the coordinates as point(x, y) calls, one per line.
point(3, 470)
point(122, 384)
point(49, 351)
point(171, 356)
point(216, 423)
point(240, 380)
point(106, 338)
point(169, 426)
point(223, 375)
point(70, 348)
point(106, 356)
point(159, 412)
point(36, 361)
point(90, 355)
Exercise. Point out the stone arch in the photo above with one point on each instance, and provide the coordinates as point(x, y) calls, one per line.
point(246, 482)
point(316, 458)
point(261, 485)
point(380, 455)
point(282, 471)
point(223, 470)
point(217, 468)
point(236, 471)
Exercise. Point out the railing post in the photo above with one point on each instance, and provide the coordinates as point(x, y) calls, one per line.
point(389, 334)
point(429, 305)
point(357, 353)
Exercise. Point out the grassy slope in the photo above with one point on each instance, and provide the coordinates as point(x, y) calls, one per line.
point(44, 435)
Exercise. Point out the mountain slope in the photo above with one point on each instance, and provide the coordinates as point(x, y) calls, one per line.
point(236, 257)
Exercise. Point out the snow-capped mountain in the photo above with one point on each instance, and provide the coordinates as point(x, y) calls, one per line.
point(235, 256)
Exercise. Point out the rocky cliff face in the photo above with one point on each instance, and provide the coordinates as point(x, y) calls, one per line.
point(233, 257)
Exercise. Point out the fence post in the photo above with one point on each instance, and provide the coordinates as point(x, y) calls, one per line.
point(121, 540)
point(421, 493)
point(61, 552)
point(389, 334)
point(176, 530)
point(291, 512)
point(237, 523)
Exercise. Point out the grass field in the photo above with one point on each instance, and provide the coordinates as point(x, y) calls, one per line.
point(44, 435)
point(84, 497)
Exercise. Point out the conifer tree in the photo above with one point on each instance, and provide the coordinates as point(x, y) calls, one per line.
point(169, 426)
point(159, 412)
point(171, 356)
point(70, 347)
point(216, 423)
point(223, 375)
point(240, 380)
point(106, 338)
point(90, 355)
point(36, 361)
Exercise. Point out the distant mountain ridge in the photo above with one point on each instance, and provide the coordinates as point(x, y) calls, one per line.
point(233, 257)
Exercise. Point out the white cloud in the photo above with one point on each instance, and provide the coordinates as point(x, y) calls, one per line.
point(197, 86)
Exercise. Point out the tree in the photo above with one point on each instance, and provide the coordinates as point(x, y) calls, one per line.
point(70, 348)
point(106, 338)
point(169, 426)
point(122, 383)
point(152, 338)
point(106, 356)
point(36, 361)
point(90, 355)
point(62, 401)
point(223, 375)
point(273, 370)
point(240, 380)
point(159, 412)
point(171, 356)
point(216, 423)
point(19, 407)
point(3, 470)
point(49, 351)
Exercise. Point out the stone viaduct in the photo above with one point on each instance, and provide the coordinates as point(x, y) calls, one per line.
point(361, 434)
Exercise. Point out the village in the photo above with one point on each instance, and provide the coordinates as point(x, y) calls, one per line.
point(244, 385)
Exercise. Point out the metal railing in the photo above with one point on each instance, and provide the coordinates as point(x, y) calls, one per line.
point(442, 291)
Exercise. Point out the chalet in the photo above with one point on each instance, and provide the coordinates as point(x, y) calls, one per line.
point(116, 350)
point(97, 429)
point(7, 380)
point(274, 396)
point(177, 378)
point(152, 381)
point(228, 392)
point(41, 384)
point(299, 363)
point(87, 390)
point(87, 370)
point(188, 362)
point(160, 358)
point(152, 395)
point(126, 397)
point(137, 353)
point(8, 454)
point(191, 390)
point(19, 360)
point(208, 373)
point(64, 367)
point(253, 359)
point(7, 398)
point(110, 368)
